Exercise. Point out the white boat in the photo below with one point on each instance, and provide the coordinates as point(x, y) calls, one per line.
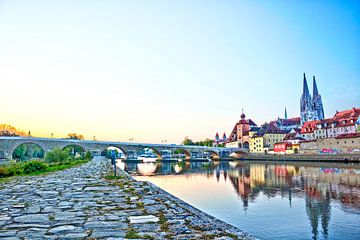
point(147, 158)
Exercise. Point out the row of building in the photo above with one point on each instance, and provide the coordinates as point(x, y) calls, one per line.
point(310, 133)
point(339, 134)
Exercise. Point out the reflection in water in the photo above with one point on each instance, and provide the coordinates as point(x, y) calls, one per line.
point(318, 209)
point(318, 186)
point(147, 169)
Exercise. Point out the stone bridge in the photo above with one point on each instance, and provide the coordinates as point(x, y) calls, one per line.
point(9, 144)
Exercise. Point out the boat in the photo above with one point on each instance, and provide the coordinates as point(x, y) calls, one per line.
point(147, 158)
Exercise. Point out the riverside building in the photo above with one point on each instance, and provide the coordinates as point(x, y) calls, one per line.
point(241, 133)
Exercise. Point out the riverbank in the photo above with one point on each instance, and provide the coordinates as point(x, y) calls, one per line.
point(35, 167)
point(82, 202)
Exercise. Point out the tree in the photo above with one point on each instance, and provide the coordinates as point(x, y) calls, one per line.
point(57, 155)
point(75, 136)
point(10, 131)
point(28, 151)
point(187, 141)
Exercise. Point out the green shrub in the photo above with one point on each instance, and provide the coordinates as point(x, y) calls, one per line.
point(57, 155)
point(34, 166)
point(88, 156)
point(3, 172)
point(13, 169)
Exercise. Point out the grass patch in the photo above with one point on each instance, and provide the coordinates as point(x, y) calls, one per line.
point(164, 225)
point(112, 177)
point(36, 167)
point(148, 237)
point(140, 205)
point(231, 235)
point(132, 234)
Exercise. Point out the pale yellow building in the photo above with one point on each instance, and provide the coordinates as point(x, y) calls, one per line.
point(256, 144)
point(271, 138)
point(263, 141)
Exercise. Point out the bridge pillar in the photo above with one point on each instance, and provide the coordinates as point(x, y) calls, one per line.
point(5, 155)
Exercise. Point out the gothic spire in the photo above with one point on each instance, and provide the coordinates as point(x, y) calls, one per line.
point(315, 89)
point(286, 116)
point(305, 88)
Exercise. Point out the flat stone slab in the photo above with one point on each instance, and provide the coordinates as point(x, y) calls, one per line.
point(62, 229)
point(99, 189)
point(18, 206)
point(143, 219)
point(33, 218)
point(4, 233)
point(33, 209)
point(75, 236)
point(4, 218)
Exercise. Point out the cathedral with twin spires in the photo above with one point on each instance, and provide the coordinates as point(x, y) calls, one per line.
point(311, 108)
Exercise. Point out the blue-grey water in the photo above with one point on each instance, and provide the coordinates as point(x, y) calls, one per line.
point(268, 200)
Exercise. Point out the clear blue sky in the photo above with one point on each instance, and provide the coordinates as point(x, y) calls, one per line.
point(154, 70)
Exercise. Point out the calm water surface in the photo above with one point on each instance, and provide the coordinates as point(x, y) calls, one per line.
point(268, 200)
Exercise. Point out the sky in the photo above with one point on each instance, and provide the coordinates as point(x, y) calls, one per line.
point(162, 70)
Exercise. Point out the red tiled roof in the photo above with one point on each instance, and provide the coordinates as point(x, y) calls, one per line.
point(347, 113)
point(348, 135)
point(310, 126)
point(233, 135)
point(269, 128)
point(342, 119)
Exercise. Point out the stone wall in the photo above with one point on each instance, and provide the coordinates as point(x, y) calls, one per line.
point(308, 147)
point(331, 146)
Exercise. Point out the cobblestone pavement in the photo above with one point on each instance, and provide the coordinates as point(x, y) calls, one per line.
point(79, 203)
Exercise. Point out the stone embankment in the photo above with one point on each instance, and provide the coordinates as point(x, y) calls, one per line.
point(80, 203)
point(345, 158)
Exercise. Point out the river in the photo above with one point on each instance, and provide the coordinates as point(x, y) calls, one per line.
point(266, 199)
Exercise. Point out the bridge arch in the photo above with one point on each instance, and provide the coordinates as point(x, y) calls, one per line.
point(185, 152)
point(238, 154)
point(75, 149)
point(119, 150)
point(27, 150)
point(214, 154)
point(156, 152)
point(151, 149)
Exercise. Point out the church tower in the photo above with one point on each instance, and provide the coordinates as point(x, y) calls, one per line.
point(317, 102)
point(306, 105)
point(311, 108)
